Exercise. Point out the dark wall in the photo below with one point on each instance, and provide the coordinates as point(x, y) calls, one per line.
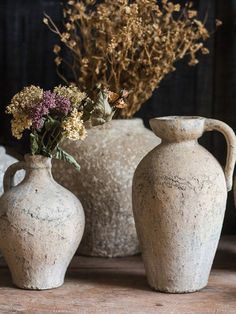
point(208, 89)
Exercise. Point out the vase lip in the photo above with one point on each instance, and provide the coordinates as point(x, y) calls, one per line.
point(37, 161)
point(178, 128)
point(120, 123)
point(174, 118)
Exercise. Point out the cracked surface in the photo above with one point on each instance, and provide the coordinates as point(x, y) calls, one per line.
point(108, 158)
point(41, 225)
point(179, 199)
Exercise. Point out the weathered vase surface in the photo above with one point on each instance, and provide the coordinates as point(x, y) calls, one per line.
point(41, 226)
point(179, 199)
point(5, 161)
point(108, 158)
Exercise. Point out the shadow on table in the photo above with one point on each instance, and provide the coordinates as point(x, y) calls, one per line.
point(226, 254)
point(111, 277)
point(6, 281)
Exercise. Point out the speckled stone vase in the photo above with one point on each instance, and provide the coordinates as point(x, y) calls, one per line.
point(41, 225)
point(108, 158)
point(179, 199)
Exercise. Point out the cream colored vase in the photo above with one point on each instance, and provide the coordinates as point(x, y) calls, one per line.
point(179, 200)
point(41, 225)
point(108, 159)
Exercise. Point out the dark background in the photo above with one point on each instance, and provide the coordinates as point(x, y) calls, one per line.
point(207, 90)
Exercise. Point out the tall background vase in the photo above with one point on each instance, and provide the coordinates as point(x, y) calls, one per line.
point(179, 199)
point(108, 159)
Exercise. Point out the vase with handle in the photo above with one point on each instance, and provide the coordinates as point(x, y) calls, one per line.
point(5, 161)
point(41, 225)
point(179, 200)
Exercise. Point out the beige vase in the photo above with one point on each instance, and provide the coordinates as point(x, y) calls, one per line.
point(179, 199)
point(108, 158)
point(41, 225)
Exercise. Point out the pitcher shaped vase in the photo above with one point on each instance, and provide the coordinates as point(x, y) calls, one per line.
point(41, 225)
point(179, 200)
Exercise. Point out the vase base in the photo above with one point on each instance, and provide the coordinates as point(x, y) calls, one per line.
point(38, 286)
point(177, 291)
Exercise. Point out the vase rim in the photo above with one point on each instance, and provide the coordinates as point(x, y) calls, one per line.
point(173, 118)
point(178, 128)
point(120, 123)
point(133, 120)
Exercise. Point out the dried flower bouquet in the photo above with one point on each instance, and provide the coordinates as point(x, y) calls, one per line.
point(52, 116)
point(131, 44)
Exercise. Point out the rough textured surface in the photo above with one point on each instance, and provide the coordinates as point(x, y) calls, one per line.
point(179, 198)
point(41, 225)
point(5, 162)
point(119, 286)
point(108, 158)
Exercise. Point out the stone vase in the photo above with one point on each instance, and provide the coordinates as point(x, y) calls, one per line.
point(108, 158)
point(179, 200)
point(41, 225)
point(5, 161)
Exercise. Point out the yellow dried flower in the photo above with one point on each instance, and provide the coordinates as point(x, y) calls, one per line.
point(56, 49)
point(72, 43)
point(65, 37)
point(177, 7)
point(73, 126)
point(19, 123)
point(25, 99)
point(193, 62)
point(68, 26)
point(58, 60)
point(132, 49)
point(45, 20)
point(205, 51)
point(218, 22)
point(72, 93)
point(192, 13)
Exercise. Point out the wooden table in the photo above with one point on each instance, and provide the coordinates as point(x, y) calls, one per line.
point(97, 285)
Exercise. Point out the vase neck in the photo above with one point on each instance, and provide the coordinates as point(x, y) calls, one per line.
point(178, 128)
point(38, 165)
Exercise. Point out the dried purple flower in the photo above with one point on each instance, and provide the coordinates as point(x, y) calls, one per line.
point(63, 104)
point(50, 103)
point(42, 108)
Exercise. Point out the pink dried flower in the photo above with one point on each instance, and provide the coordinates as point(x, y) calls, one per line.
point(42, 108)
point(63, 105)
point(50, 103)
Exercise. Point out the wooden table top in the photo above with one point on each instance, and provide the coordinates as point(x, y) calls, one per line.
point(98, 285)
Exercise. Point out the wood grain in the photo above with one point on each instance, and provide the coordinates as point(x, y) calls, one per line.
point(97, 285)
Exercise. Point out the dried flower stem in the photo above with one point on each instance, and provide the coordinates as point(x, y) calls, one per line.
point(127, 44)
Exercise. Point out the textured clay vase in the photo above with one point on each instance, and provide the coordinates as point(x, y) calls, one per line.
point(108, 159)
point(5, 161)
point(41, 226)
point(179, 199)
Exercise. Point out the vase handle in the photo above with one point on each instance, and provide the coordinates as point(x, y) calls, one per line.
point(8, 180)
point(217, 125)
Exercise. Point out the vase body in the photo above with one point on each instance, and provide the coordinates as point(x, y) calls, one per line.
point(179, 199)
point(108, 158)
point(41, 225)
point(5, 161)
